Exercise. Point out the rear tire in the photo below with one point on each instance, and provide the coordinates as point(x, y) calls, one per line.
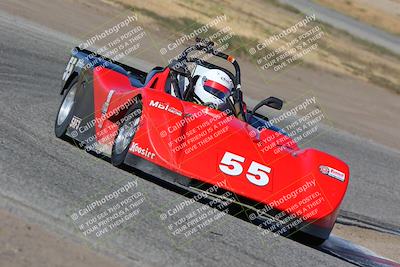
point(66, 110)
point(125, 134)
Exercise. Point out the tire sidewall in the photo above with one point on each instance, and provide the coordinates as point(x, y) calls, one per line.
point(61, 129)
point(117, 159)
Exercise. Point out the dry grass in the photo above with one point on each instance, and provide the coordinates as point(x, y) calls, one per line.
point(254, 21)
point(384, 14)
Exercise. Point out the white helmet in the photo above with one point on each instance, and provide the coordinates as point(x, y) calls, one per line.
point(214, 86)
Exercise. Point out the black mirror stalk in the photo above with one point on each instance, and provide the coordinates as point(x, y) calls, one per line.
point(272, 102)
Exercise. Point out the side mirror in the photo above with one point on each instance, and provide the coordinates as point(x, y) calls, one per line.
point(271, 102)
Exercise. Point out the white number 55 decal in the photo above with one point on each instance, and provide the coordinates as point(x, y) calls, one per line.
point(256, 174)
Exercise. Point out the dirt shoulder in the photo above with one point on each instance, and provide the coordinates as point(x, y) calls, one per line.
point(26, 244)
point(383, 14)
point(383, 244)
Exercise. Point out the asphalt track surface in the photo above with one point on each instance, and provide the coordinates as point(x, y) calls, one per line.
point(46, 177)
point(352, 26)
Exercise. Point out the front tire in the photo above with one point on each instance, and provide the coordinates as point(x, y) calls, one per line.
point(126, 133)
point(66, 110)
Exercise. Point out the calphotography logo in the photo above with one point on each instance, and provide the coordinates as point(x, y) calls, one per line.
point(107, 32)
point(298, 41)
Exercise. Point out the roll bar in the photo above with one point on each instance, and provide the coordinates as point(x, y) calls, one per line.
point(208, 47)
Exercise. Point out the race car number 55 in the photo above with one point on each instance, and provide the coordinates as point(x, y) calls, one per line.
point(257, 173)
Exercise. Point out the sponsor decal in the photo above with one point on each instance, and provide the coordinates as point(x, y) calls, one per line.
point(135, 148)
point(165, 106)
point(75, 122)
point(332, 173)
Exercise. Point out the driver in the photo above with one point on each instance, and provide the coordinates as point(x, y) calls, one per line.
point(213, 88)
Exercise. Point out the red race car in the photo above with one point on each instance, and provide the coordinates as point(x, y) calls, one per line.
point(187, 124)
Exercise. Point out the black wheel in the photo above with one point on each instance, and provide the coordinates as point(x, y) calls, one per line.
point(126, 132)
point(307, 239)
point(66, 109)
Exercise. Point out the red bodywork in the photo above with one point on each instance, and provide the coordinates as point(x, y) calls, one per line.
point(170, 135)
